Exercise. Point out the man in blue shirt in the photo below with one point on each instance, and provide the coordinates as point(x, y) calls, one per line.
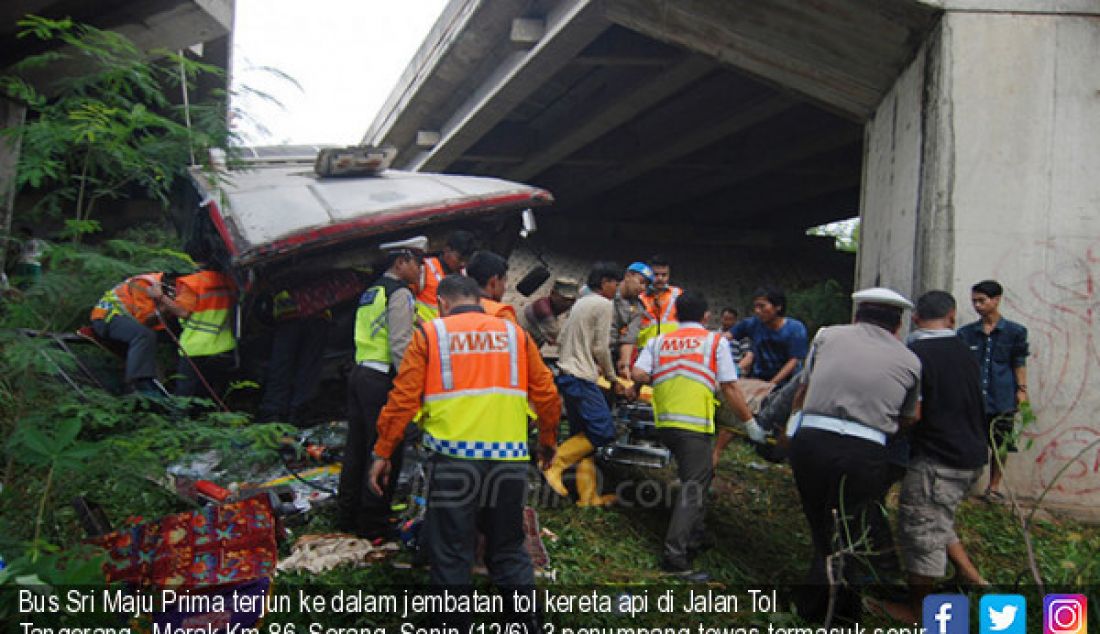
point(1001, 348)
point(779, 345)
point(778, 342)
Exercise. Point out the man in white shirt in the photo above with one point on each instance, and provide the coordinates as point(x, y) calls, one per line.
point(688, 368)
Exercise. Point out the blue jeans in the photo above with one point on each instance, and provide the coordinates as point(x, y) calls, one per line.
point(587, 409)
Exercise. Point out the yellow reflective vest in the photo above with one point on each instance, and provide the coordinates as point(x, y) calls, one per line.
point(475, 392)
point(685, 379)
point(372, 333)
point(208, 330)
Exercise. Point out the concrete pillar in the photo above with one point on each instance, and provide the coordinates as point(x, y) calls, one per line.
point(11, 115)
point(982, 162)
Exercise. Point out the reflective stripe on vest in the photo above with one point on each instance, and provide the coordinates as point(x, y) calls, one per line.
point(649, 329)
point(123, 299)
point(431, 274)
point(477, 450)
point(475, 397)
point(667, 309)
point(685, 378)
point(207, 331)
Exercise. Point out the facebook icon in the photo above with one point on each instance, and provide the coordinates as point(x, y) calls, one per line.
point(946, 614)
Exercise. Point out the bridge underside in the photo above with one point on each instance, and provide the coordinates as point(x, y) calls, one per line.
point(726, 122)
point(672, 138)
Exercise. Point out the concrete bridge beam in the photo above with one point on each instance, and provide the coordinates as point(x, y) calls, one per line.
point(843, 54)
point(570, 27)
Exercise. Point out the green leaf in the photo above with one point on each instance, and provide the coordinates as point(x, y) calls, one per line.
point(67, 432)
point(37, 443)
point(74, 228)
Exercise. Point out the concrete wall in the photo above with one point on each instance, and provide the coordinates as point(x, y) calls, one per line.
point(1027, 139)
point(1009, 112)
point(891, 185)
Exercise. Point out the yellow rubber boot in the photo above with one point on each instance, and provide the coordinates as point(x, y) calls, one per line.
point(569, 453)
point(588, 485)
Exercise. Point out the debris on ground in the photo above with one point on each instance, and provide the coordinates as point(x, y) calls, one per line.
point(215, 545)
point(319, 553)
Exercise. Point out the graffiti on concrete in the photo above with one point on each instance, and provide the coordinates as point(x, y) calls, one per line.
point(1060, 305)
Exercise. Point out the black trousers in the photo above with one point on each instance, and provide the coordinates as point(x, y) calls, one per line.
point(360, 510)
point(692, 451)
point(216, 369)
point(465, 496)
point(849, 475)
point(294, 367)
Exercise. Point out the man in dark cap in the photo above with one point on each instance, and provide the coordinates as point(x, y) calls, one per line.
point(540, 318)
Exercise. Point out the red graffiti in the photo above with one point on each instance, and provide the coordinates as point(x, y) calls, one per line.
point(1060, 305)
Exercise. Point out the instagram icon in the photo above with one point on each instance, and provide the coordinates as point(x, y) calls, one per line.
point(1065, 614)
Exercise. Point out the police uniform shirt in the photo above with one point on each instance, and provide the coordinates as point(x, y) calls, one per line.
point(626, 320)
point(400, 315)
point(863, 373)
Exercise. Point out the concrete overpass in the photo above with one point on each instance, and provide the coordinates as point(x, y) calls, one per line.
point(150, 24)
point(961, 131)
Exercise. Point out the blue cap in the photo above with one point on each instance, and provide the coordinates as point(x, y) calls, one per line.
point(643, 268)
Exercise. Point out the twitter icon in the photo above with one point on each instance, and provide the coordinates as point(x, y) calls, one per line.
point(1003, 614)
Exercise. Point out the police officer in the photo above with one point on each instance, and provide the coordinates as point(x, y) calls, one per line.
point(626, 318)
point(859, 384)
point(383, 330)
point(472, 374)
point(687, 368)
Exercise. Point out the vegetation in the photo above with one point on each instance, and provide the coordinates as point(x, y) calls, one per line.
point(821, 304)
point(761, 541)
point(111, 130)
point(106, 134)
point(110, 134)
point(62, 440)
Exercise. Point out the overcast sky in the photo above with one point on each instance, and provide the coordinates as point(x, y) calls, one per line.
point(346, 55)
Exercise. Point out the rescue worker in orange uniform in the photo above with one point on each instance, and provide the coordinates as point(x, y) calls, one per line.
point(688, 368)
point(451, 260)
point(207, 337)
point(490, 271)
point(131, 313)
point(475, 378)
point(659, 301)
